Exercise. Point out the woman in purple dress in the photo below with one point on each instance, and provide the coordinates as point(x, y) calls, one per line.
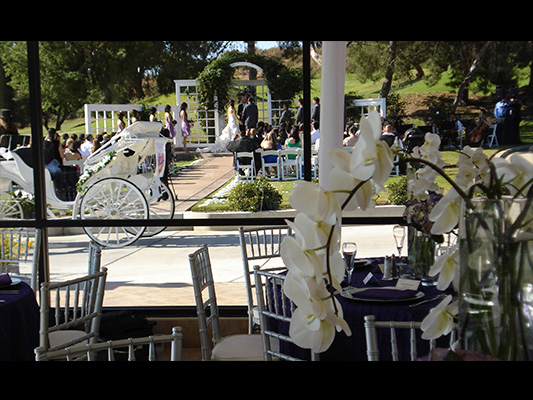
point(185, 125)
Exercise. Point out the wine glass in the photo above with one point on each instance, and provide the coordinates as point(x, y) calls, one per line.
point(349, 250)
point(399, 233)
point(399, 236)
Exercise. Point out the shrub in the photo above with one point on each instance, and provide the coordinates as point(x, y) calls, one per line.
point(258, 195)
point(398, 191)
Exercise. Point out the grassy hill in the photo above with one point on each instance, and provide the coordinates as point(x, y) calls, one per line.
point(416, 97)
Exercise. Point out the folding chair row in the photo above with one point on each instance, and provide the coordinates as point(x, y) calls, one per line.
point(286, 164)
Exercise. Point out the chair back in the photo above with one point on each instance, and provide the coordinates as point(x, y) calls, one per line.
point(91, 351)
point(77, 303)
point(205, 298)
point(392, 326)
point(19, 254)
point(95, 257)
point(267, 167)
point(275, 310)
point(245, 170)
point(259, 244)
point(290, 163)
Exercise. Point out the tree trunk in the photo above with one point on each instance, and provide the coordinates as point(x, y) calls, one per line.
point(463, 88)
point(387, 83)
point(252, 72)
point(315, 56)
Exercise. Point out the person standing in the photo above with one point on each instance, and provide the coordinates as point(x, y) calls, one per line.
point(185, 125)
point(511, 124)
point(300, 113)
point(121, 123)
point(315, 112)
point(286, 115)
point(153, 117)
point(169, 122)
point(8, 130)
point(500, 111)
point(240, 110)
point(250, 114)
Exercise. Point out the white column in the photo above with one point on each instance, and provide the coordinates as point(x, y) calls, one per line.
point(331, 104)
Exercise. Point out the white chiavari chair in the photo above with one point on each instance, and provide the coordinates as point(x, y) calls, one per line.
point(276, 308)
point(71, 312)
point(372, 347)
point(259, 244)
point(92, 351)
point(240, 347)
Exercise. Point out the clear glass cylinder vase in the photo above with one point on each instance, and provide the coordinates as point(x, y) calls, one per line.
point(421, 249)
point(496, 279)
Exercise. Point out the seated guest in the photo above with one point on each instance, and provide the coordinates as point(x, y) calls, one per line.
point(353, 135)
point(270, 143)
point(246, 143)
point(388, 135)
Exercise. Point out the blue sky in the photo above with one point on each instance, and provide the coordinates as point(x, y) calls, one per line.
point(266, 44)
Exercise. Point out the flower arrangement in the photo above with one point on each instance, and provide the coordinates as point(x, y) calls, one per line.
point(90, 171)
point(312, 256)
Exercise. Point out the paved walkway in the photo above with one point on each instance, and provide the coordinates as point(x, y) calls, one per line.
point(194, 183)
point(155, 271)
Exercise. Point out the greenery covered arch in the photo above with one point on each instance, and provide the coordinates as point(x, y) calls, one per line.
point(215, 81)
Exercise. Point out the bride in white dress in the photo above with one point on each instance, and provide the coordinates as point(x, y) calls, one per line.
point(229, 131)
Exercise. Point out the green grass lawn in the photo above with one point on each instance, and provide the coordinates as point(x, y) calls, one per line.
point(215, 202)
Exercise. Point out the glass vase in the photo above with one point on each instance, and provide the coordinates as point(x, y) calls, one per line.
point(421, 249)
point(496, 280)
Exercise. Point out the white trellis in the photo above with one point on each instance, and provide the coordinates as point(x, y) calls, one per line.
point(367, 105)
point(208, 124)
point(103, 118)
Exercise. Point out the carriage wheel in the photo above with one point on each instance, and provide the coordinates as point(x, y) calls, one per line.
point(10, 207)
point(161, 207)
point(114, 198)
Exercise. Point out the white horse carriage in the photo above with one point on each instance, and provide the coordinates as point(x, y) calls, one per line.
point(121, 180)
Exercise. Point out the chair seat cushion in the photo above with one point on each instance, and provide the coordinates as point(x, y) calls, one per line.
point(239, 348)
point(57, 338)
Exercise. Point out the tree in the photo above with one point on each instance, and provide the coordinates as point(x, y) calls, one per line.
point(63, 85)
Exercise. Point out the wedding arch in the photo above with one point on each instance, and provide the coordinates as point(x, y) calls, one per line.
point(215, 81)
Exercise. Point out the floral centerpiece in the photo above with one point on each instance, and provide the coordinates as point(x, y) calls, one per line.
point(312, 256)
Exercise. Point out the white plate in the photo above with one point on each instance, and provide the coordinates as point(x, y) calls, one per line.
point(351, 294)
point(14, 281)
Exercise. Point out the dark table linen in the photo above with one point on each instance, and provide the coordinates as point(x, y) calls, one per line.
point(19, 324)
point(353, 348)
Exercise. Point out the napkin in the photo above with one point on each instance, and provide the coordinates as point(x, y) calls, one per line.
point(383, 293)
point(5, 279)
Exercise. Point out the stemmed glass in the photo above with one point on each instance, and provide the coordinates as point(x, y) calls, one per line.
point(349, 250)
point(399, 233)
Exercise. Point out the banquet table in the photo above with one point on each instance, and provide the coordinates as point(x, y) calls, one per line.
point(19, 322)
point(353, 348)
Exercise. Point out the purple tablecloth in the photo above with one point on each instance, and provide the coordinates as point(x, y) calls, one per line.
point(19, 324)
point(353, 348)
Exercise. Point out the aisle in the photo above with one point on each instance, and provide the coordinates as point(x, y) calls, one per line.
point(196, 182)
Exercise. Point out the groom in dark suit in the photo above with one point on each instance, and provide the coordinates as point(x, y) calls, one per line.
point(250, 114)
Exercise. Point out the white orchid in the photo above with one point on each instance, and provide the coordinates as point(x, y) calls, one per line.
point(440, 320)
point(367, 167)
point(516, 171)
point(445, 214)
point(371, 157)
point(315, 202)
point(315, 265)
point(447, 268)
